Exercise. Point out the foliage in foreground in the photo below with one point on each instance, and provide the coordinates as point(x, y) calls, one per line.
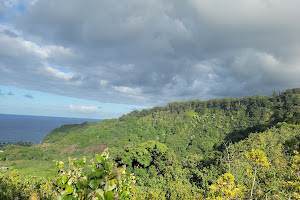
point(15, 186)
point(253, 176)
point(101, 180)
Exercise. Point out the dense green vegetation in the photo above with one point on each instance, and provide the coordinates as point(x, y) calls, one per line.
point(101, 180)
point(233, 148)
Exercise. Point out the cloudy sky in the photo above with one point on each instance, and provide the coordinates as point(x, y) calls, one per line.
point(104, 58)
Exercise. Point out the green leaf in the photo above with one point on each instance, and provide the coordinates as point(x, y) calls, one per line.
point(100, 159)
point(98, 173)
point(64, 179)
point(69, 189)
point(109, 195)
point(58, 181)
point(100, 193)
point(79, 185)
point(92, 175)
point(109, 186)
point(84, 182)
point(82, 161)
point(125, 193)
point(93, 184)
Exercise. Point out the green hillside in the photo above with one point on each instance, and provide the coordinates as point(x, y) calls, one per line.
point(187, 127)
point(232, 148)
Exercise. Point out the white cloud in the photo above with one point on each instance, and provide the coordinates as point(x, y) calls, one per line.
point(250, 62)
point(103, 82)
point(85, 109)
point(13, 45)
point(58, 74)
point(127, 90)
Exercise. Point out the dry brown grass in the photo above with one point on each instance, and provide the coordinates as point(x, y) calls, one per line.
point(95, 149)
point(69, 150)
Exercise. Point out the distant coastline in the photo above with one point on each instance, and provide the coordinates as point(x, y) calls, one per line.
point(34, 116)
point(30, 128)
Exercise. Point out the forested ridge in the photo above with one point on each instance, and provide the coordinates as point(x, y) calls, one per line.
point(231, 148)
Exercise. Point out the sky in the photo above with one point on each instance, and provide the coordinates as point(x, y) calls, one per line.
point(104, 58)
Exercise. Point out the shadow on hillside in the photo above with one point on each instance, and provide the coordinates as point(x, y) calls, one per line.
point(241, 134)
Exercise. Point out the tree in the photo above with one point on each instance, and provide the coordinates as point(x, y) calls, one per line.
point(226, 188)
point(292, 187)
point(140, 157)
point(229, 155)
point(257, 158)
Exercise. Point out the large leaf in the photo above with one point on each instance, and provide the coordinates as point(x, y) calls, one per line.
point(125, 193)
point(93, 184)
point(100, 194)
point(84, 182)
point(110, 185)
point(79, 185)
point(69, 189)
point(64, 178)
point(109, 195)
point(98, 173)
point(100, 159)
point(59, 182)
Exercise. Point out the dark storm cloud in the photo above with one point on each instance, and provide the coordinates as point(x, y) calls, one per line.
point(152, 52)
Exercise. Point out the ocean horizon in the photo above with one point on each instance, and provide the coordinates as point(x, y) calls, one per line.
point(30, 128)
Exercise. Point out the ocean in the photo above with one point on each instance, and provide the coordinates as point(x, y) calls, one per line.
point(24, 128)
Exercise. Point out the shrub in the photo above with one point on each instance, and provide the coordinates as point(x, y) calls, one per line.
point(15, 186)
point(101, 180)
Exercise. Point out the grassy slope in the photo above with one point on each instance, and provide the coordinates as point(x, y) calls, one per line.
point(187, 132)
